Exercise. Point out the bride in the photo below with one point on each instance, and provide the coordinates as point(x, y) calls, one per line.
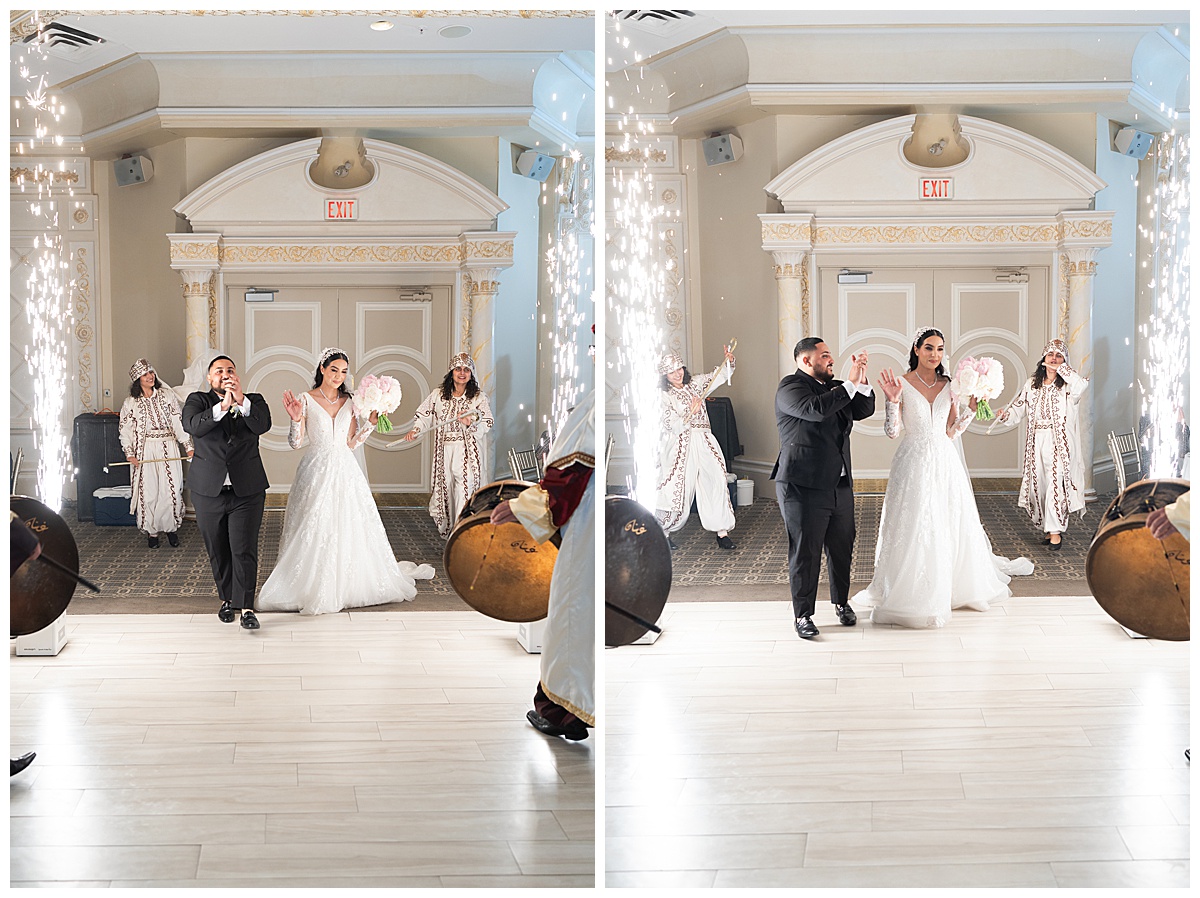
point(932, 554)
point(334, 553)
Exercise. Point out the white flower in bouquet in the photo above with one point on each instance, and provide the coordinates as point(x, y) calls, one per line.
point(981, 379)
point(377, 394)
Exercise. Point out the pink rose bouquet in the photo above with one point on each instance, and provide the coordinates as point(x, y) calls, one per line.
point(980, 379)
point(378, 394)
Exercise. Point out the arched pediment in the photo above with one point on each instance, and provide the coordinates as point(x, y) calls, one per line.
point(273, 194)
point(1005, 170)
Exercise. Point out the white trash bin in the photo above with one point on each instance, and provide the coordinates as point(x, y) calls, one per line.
point(745, 492)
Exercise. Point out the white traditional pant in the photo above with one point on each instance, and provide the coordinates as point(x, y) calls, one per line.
point(703, 479)
point(157, 496)
point(1050, 485)
point(454, 472)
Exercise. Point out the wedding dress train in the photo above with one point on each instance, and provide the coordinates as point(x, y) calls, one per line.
point(932, 554)
point(334, 553)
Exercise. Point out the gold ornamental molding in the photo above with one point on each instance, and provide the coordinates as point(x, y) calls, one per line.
point(42, 174)
point(488, 249)
point(320, 254)
point(648, 154)
point(84, 333)
point(786, 231)
point(1086, 229)
point(22, 25)
point(195, 252)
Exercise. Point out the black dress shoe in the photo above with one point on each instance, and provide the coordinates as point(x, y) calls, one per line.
point(574, 733)
point(249, 621)
point(1046, 541)
point(16, 765)
point(846, 615)
point(226, 613)
point(153, 541)
point(671, 544)
point(805, 628)
point(726, 543)
point(173, 539)
point(1056, 547)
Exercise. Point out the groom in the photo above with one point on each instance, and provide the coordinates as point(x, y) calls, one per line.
point(814, 481)
point(228, 483)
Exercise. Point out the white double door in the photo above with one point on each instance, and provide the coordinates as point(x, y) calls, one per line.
point(383, 329)
point(979, 314)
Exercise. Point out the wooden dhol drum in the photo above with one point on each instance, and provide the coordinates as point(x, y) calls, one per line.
point(39, 593)
point(500, 571)
point(1140, 581)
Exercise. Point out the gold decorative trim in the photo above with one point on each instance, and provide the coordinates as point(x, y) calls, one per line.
point(191, 252)
point(1086, 229)
point(669, 196)
point(80, 215)
point(18, 31)
point(647, 154)
point(1085, 267)
point(212, 312)
point(84, 333)
point(779, 230)
point(925, 234)
point(1064, 293)
point(805, 298)
point(309, 254)
point(489, 249)
point(42, 174)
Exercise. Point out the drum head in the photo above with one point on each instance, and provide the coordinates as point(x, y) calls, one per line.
point(1141, 582)
point(500, 570)
point(40, 593)
point(637, 569)
point(488, 497)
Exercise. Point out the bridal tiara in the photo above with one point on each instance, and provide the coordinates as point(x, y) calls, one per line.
point(924, 331)
point(327, 353)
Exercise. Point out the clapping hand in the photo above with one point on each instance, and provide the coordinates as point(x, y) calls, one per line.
point(858, 368)
point(890, 384)
point(292, 405)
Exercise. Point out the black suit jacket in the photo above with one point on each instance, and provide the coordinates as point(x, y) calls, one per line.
point(814, 421)
point(228, 446)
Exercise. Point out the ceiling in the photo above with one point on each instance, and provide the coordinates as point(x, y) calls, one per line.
point(699, 73)
point(159, 75)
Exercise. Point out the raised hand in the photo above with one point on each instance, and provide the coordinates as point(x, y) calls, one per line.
point(233, 386)
point(292, 405)
point(858, 368)
point(890, 385)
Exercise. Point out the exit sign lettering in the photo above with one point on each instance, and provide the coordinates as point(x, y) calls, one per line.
point(341, 210)
point(937, 189)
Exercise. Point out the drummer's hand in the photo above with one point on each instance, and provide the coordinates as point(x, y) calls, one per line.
point(1158, 525)
point(132, 459)
point(37, 550)
point(695, 407)
point(502, 514)
point(410, 436)
point(467, 419)
point(191, 454)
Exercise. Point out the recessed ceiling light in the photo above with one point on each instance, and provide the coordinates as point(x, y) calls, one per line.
point(453, 31)
point(382, 25)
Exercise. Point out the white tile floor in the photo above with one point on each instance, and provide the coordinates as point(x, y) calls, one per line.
point(366, 749)
point(1034, 745)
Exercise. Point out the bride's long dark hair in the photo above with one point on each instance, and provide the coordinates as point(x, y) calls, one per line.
point(319, 378)
point(912, 352)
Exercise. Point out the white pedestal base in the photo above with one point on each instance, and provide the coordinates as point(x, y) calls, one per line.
point(47, 641)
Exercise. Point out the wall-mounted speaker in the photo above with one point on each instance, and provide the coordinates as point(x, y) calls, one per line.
point(1133, 142)
point(533, 164)
point(721, 148)
point(133, 170)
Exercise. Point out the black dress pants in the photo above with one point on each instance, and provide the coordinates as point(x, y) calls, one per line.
point(229, 524)
point(818, 520)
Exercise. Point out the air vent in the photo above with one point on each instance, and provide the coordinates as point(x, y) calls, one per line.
point(659, 21)
point(57, 36)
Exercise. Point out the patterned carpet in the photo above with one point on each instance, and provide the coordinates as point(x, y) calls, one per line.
point(761, 555)
point(139, 580)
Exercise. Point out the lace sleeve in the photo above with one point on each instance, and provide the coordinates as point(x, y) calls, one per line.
point(891, 419)
point(961, 416)
point(296, 430)
point(360, 431)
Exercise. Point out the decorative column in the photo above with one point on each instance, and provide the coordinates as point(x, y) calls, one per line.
point(788, 238)
point(197, 258)
point(793, 307)
point(1082, 234)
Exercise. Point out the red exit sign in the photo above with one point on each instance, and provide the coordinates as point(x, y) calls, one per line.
point(937, 189)
point(341, 210)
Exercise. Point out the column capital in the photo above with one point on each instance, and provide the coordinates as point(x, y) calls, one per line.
point(789, 263)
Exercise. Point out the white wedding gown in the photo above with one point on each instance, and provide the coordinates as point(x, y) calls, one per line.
point(334, 553)
point(932, 554)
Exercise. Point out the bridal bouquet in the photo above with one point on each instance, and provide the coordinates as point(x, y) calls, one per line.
point(981, 379)
point(379, 394)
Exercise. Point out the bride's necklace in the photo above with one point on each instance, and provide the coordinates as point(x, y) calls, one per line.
point(336, 397)
point(917, 372)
